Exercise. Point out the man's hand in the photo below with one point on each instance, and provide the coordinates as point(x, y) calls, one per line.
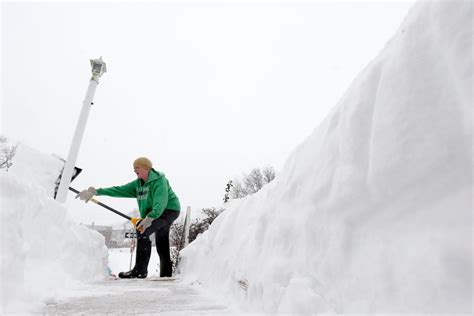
point(86, 195)
point(144, 224)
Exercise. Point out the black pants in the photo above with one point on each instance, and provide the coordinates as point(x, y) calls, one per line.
point(161, 228)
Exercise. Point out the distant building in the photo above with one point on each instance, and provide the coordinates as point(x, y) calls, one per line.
point(114, 238)
point(105, 231)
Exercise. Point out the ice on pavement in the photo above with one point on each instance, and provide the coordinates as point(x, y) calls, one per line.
point(373, 212)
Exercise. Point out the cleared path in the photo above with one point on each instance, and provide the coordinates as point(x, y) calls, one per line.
point(117, 297)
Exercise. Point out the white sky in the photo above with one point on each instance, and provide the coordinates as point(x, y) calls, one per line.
point(206, 90)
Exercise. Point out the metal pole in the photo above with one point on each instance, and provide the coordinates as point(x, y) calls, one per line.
point(98, 68)
point(187, 224)
point(76, 143)
point(132, 248)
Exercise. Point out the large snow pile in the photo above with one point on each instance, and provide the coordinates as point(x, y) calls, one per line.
point(43, 252)
point(373, 212)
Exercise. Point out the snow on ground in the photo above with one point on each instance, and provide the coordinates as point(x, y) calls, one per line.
point(373, 212)
point(143, 297)
point(43, 252)
point(138, 297)
point(119, 260)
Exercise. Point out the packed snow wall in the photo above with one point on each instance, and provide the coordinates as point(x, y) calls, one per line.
point(43, 252)
point(373, 212)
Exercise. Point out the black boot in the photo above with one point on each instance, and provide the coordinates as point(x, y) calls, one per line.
point(143, 255)
point(141, 263)
point(132, 274)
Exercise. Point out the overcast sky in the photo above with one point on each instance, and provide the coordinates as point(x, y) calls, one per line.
point(206, 90)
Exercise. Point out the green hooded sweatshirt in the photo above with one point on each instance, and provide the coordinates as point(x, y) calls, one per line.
point(153, 196)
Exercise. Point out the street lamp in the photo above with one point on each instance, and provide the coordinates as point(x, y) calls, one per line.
point(98, 69)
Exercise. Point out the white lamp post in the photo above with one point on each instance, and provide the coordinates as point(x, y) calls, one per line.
point(98, 68)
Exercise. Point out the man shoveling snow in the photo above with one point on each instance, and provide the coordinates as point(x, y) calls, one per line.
point(159, 207)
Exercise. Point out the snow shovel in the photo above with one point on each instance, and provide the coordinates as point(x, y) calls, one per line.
point(76, 172)
point(104, 206)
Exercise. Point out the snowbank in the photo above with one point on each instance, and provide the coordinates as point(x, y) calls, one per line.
point(43, 252)
point(373, 212)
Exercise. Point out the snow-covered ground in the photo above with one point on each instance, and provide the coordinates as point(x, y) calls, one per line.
point(373, 212)
point(43, 251)
point(149, 297)
point(138, 297)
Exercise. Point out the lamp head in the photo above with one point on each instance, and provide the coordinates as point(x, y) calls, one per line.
point(98, 68)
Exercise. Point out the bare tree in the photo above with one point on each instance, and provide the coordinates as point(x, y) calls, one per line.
point(201, 225)
point(254, 181)
point(7, 153)
point(238, 190)
point(176, 235)
point(176, 243)
point(268, 174)
point(228, 188)
point(250, 184)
